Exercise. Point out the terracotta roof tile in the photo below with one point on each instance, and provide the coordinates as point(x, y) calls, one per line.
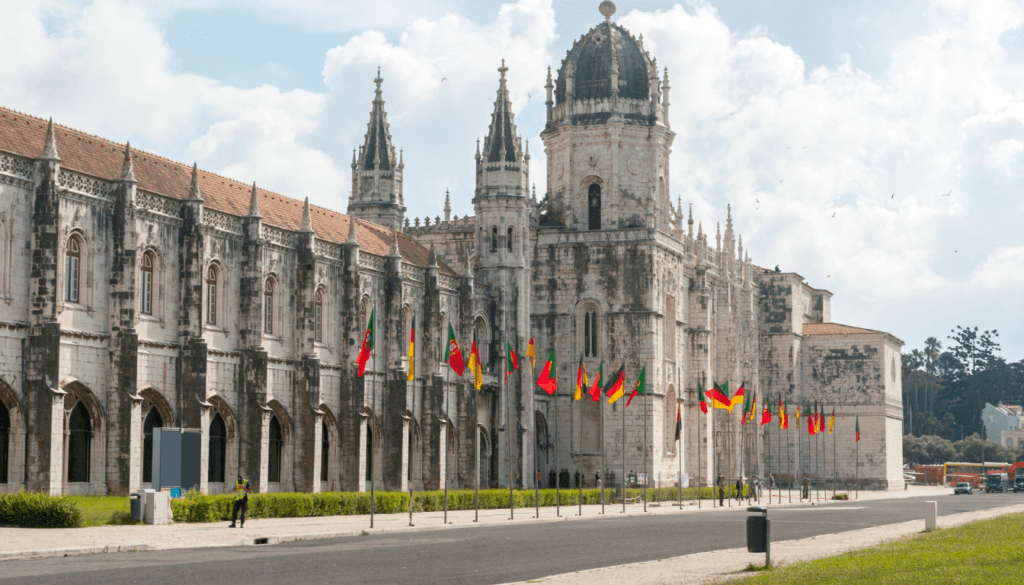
point(24, 135)
point(835, 329)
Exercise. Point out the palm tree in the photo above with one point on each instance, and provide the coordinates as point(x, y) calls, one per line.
point(931, 354)
point(915, 363)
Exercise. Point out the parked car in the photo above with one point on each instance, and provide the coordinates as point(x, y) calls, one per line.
point(963, 488)
point(997, 482)
point(1018, 484)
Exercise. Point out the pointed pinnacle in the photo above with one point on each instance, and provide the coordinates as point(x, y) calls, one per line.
point(50, 146)
point(395, 253)
point(432, 259)
point(193, 191)
point(127, 168)
point(307, 219)
point(254, 203)
point(352, 231)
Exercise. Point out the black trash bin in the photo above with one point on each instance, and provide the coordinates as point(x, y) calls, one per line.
point(136, 506)
point(759, 532)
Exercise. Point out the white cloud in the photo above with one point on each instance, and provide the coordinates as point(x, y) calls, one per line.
point(1004, 154)
point(1003, 270)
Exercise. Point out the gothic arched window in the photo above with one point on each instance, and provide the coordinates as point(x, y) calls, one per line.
point(218, 449)
point(494, 239)
point(72, 267)
point(274, 453)
point(146, 283)
point(79, 440)
point(153, 420)
point(590, 333)
point(594, 206)
point(318, 315)
point(268, 306)
point(509, 242)
point(211, 295)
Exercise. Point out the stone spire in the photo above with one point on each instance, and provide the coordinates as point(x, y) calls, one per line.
point(254, 203)
point(730, 237)
point(395, 253)
point(193, 191)
point(689, 223)
point(502, 143)
point(50, 146)
point(307, 219)
point(377, 171)
point(447, 206)
point(432, 258)
point(378, 152)
point(549, 87)
point(352, 231)
point(127, 168)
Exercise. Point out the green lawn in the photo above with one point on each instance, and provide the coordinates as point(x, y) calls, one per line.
point(99, 510)
point(989, 552)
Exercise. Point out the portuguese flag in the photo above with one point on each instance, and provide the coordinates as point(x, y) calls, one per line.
point(549, 376)
point(679, 422)
point(453, 355)
point(858, 429)
point(511, 363)
point(766, 412)
point(812, 422)
point(614, 388)
point(640, 387)
point(367, 347)
point(595, 390)
point(746, 410)
point(703, 403)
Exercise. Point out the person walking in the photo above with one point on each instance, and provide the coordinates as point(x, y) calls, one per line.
point(739, 489)
point(721, 490)
point(806, 485)
point(242, 489)
point(577, 478)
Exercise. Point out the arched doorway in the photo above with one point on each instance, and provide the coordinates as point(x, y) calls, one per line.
point(542, 443)
point(369, 451)
point(276, 446)
point(79, 443)
point(452, 471)
point(153, 420)
point(485, 459)
point(217, 461)
point(5, 440)
point(325, 451)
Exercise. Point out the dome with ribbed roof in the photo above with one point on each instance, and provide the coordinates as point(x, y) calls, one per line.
point(590, 62)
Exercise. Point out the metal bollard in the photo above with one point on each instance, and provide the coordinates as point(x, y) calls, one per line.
point(931, 512)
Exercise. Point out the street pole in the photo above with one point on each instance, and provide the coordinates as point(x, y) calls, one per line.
point(700, 496)
point(558, 472)
point(373, 471)
point(508, 425)
point(447, 377)
point(623, 457)
point(603, 468)
point(412, 434)
point(645, 455)
point(679, 456)
point(789, 462)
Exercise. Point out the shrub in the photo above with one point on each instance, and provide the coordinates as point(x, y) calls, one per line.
point(841, 497)
point(29, 510)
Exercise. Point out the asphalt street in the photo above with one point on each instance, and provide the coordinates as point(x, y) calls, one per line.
point(498, 554)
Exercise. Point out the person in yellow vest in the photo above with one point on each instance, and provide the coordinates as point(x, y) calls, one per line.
point(242, 489)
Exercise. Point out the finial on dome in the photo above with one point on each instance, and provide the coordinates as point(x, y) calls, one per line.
point(607, 9)
point(502, 70)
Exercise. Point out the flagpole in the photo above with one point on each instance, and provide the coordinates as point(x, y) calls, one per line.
point(769, 455)
point(601, 402)
point(508, 425)
point(679, 454)
point(700, 496)
point(475, 401)
point(373, 398)
point(623, 451)
point(789, 458)
point(856, 467)
point(558, 472)
point(412, 430)
point(645, 457)
point(834, 473)
point(447, 379)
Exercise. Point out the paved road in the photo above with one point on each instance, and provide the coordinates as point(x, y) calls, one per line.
point(497, 554)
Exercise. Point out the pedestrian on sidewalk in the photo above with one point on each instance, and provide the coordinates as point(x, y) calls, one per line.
point(242, 489)
point(577, 478)
point(739, 489)
point(721, 490)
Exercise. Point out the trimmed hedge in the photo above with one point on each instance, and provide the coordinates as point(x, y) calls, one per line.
point(29, 510)
point(196, 507)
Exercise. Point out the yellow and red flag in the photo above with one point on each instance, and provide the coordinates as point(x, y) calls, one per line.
point(719, 399)
point(531, 353)
point(753, 407)
point(595, 390)
point(783, 415)
point(474, 366)
point(581, 380)
point(614, 389)
point(832, 421)
point(738, 399)
point(798, 417)
point(412, 352)
point(549, 375)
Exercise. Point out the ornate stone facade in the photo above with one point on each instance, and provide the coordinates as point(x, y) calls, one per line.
point(137, 292)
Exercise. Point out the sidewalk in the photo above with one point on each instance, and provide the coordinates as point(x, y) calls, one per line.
point(33, 542)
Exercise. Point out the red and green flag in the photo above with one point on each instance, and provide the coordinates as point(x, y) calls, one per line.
point(703, 403)
point(614, 388)
point(812, 422)
point(640, 387)
point(746, 410)
point(595, 389)
point(766, 412)
point(367, 347)
point(511, 362)
point(549, 376)
point(858, 429)
point(784, 415)
point(453, 355)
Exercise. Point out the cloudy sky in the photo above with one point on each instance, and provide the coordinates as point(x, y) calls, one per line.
point(877, 150)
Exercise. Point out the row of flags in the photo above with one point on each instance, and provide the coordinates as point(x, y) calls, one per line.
point(614, 389)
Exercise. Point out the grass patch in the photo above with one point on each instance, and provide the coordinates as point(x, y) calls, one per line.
point(987, 551)
point(752, 568)
point(103, 510)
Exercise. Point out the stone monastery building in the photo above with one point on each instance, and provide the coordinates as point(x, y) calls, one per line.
point(138, 292)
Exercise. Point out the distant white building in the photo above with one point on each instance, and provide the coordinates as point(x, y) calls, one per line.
point(999, 418)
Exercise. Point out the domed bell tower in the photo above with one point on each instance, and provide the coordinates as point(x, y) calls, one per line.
point(607, 137)
point(503, 210)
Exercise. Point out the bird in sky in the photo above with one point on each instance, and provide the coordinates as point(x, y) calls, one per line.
point(833, 214)
point(893, 196)
point(947, 194)
point(443, 78)
point(781, 180)
point(755, 200)
point(789, 148)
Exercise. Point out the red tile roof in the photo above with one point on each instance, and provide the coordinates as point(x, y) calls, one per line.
point(25, 135)
point(836, 329)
